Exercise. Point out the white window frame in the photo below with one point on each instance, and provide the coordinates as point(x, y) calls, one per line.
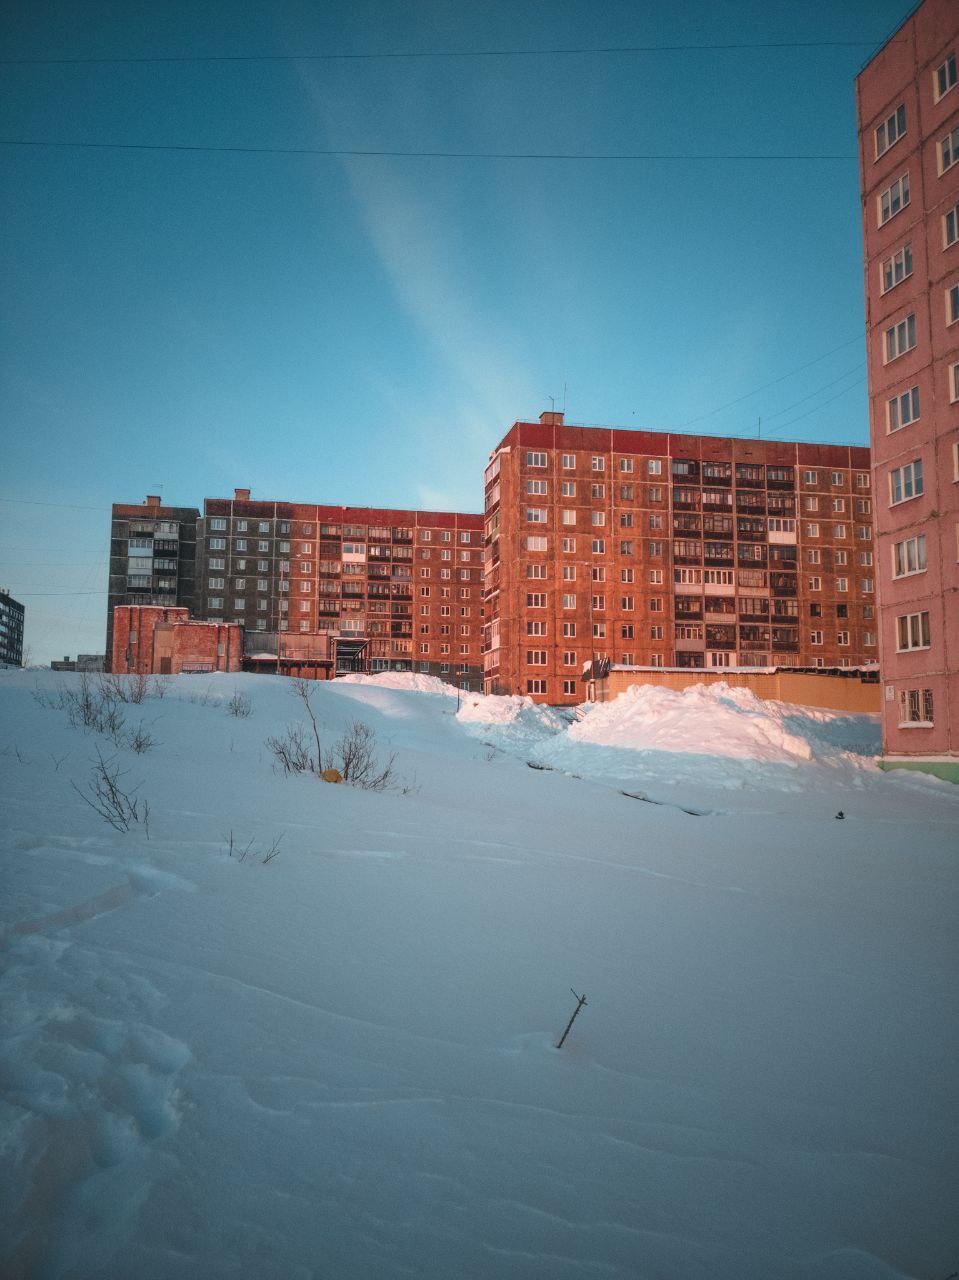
point(947, 150)
point(902, 410)
point(944, 77)
point(886, 206)
point(897, 267)
point(888, 132)
point(899, 338)
point(915, 629)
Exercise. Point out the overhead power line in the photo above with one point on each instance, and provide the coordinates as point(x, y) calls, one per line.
point(443, 53)
point(845, 391)
point(782, 378)
point(376, 153)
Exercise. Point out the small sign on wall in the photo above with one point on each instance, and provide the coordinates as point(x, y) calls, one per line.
point(890, 693)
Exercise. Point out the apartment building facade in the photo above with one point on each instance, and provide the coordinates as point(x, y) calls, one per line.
point(12, 614)
point(406, 585)
point(642, 548)
point(908, 119)
point(152, 557)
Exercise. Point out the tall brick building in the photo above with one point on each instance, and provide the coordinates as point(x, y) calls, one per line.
point(408, 583)
point(651, 549)
point(908, 113)
point(152, 557)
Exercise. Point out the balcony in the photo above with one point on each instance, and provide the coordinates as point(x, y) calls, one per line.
point(783, 584)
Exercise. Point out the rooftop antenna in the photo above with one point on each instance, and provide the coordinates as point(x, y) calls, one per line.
point(564, 397)
point(552, 401)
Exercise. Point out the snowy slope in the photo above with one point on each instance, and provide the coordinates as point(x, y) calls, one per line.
point(341, 1063)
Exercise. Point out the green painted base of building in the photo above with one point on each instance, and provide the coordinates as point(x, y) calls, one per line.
point(948, 770)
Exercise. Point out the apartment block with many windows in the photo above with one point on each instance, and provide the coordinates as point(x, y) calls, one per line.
point(408, 583)
point(152, 557)
point(908, 114)
point(641, 548)
point(12, 614)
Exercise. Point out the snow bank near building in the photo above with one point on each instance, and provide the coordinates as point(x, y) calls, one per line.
point(714, 718)
point(404, 681)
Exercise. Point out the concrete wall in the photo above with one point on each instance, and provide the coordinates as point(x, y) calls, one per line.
point(837, 693)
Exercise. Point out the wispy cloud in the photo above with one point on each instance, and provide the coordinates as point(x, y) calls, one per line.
point(428, 265)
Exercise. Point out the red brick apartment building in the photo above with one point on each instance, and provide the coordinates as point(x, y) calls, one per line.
point(649, 549)
point(908, 113)
point(405, 586)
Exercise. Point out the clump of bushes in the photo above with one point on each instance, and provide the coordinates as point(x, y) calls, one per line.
point(353, 758)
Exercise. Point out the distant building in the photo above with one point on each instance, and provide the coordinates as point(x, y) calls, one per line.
point(11, 630)
point(908, 115)
point(642, 548)
point(152, 557)
point(82, 662)
point(155, 640)
point(397, 590)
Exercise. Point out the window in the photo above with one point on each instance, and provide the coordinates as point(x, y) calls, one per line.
point(841, 557)
point(900, 338)
point(950, 227)
point(812, 530)
point(893, 199)
point(866, 586)
point(598, 464)
point(535, 686)
point(952, 304)
point(242, 526)
point(569, 633)
point(810, 477)
point(536, 459)
point(626, 547)
point(915, 707)
point(813, 555)
point(902, 409)
point(599, 602)
point(218, 523)
point(568, 516)
point(536, 657)
point(569, 658)
point(912, 631)
point(569, 461)
point(536, 515)
point(625, 464)
point(862, 479)
point(945, 77)
point(218, 544)
point(897, 268)
point(537, 486)
point(569, 687)
point(568, 488)
point(842, 584)
point(948, 150)
point(532, 571)
point(654, 467)
point(599, 546)
point(569, 573)
point(842, 638)
point(599, 630)
point(569, 601)
point(656, 577)
point(891, 130)
point(598, 518)
point(839, 531)
point(597, 491)
point(626, 603)
point(535, 544)
point(536, 600)
point(815, 584)
point(569, 546)
point(953, 386)
point(815, 637)
point(906, 482)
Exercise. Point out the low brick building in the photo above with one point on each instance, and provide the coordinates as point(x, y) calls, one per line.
point(190, 646)
point(132, 631)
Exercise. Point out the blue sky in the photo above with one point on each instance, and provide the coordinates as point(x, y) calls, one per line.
point(365, 330)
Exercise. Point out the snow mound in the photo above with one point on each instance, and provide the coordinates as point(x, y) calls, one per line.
point(714, 719)
point(511, 721)
point(405, 681)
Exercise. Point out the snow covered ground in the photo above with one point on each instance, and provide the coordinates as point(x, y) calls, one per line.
point(340, 1063)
